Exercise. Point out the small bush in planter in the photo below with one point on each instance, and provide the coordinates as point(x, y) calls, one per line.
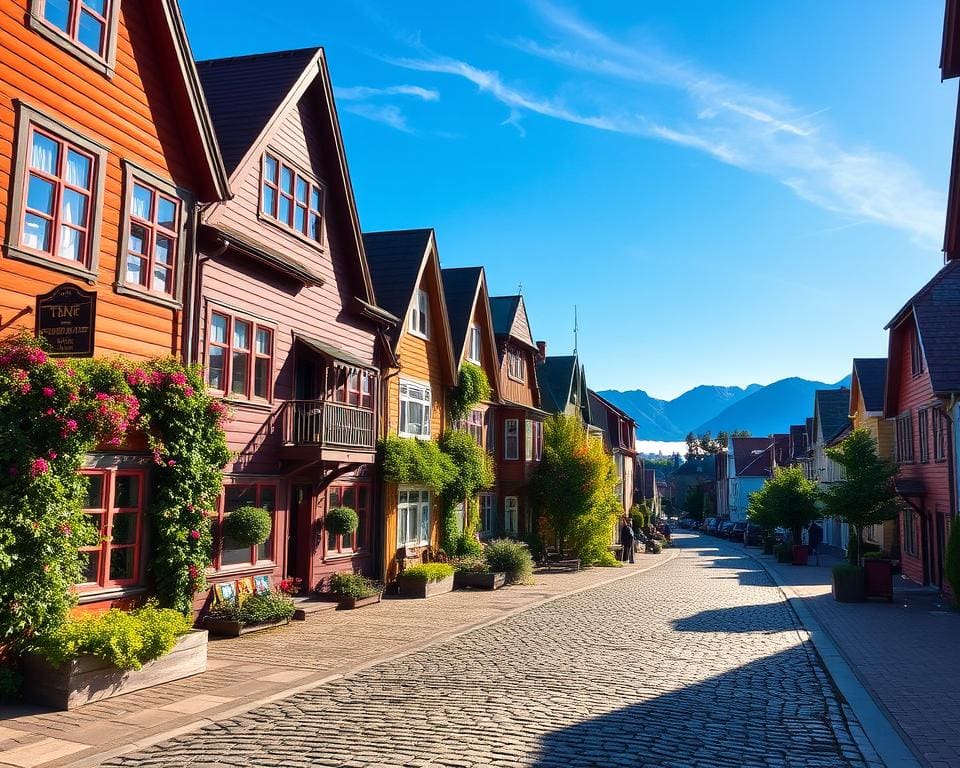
point(512, 558)
point(257, 609)
point(126, 639)
point(653, 547)
point(849, 582)
point(354, 585)
point(341, 520)
point(784, 553)
point(472, 565)
point(429, 572)
point(248, 526)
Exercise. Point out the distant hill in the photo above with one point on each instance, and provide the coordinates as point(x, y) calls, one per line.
point(761, 410)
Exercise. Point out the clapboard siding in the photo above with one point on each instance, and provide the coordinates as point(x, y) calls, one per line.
point(522, 392)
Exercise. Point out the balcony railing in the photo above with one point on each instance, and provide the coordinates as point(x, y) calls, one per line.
point(322, 423)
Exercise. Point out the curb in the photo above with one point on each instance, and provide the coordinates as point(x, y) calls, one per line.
point(98, 758)
point(876, 727)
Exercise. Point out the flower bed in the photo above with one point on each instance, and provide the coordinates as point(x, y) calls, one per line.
point(353, 590)
point(475, 572)
point(426, 580)
point(251, 614)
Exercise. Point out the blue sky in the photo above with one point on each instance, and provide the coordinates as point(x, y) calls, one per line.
point(729, 192)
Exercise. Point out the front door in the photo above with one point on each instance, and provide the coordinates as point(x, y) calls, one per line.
point(299, 526)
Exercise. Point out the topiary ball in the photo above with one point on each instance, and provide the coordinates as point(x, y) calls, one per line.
point(248, 526)
point(341, 520)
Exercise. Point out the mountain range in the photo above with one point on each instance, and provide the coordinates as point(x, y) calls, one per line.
point(761, 410)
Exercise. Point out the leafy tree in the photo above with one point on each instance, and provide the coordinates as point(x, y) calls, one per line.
point(760, 510)
point(740, 433)
point(867, 496)
point(706, 444)
point(787, 499)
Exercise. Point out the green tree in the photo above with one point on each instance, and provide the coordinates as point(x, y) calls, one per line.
point(787, 499)
point(867, 495)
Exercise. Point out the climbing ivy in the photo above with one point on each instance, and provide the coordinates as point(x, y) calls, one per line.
point(471, 388)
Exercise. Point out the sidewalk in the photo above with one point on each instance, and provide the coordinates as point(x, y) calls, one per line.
point(906, 654)
point(245, 672)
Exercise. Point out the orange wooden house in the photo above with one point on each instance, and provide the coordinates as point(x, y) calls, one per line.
point(405, 267)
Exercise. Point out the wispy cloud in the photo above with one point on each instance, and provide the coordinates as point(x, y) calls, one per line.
point(387, 114)
point(363, 92)
point(733, 122)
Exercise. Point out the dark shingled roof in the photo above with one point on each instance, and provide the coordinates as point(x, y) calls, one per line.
point(937, 309)
point(798, 441)
point(555, 376)
point(751, 456)
point(503, 309)
point(459, 288)
point(394, 259)
point(599, 416)
point(702, 466)
point(244, 92)
point(871, 373)
point(833, 408)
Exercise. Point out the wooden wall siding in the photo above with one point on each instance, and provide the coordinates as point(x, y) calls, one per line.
point(913, 393)
point(521, 392)
point(521, 328)
point(133, 116)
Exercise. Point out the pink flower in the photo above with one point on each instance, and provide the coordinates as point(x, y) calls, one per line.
point(65, 529)
point(190, 507)
point(39, 467)
point(178, 378)
point(48, 391)
point(136, 377)
point(205, 514)
point(74, 397)
point(51, 455)
point(37, 356)
point(188, 391)
point(157, 458)
point(195, 534)
point(171, 463)
point(25, 389)
point(70, 425)
point(49, 412)
point(192, 570)
point(102, 396)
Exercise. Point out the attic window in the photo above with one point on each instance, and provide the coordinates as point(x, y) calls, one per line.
point(85, 28)
point(516, 369)
point(419, 322)
point(292, 199)
point(473, 352)
point(916, 353)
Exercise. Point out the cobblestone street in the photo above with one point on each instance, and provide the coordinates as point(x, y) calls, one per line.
point(696, 663)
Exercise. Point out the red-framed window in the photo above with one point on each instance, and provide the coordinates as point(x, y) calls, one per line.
point(235, 495)
point(291, 198)
point(354, 386)
point(58, 198)
point(357, 497)
point(83, 21)
point(474, 425)
point(152, 242)
point(239, 356)
point(115, 504)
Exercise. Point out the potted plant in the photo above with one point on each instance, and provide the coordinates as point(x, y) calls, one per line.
point(769, 542)
point(250, 614)
point(878, 574)
point(784, 553)
point(248, 526)
point(354, 590)
point(849, 585)
point(98, 657)
point(476, 572)
point(341, 521)
point(511, 558)
point(787, 499)
point(426, 580)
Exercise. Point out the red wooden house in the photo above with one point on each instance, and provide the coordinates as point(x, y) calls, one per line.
point(620, 441)
point(923, 378)
point(288, 330)
point(518, 428)
point(106, 149)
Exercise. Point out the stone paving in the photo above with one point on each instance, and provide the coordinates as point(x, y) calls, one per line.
point(698, 663)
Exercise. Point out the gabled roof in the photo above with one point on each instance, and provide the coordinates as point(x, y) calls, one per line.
point(871, 377)
point(510, 319)
point(831, 412)
point(599, 417)
point(781, 448)
point(460, 287)
point(555, 375)
point(751, 456)
point(950, 47)
point(936, 308)
point(798, 441)
point(704, 467)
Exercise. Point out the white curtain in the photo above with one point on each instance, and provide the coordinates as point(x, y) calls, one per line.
point(43, 154)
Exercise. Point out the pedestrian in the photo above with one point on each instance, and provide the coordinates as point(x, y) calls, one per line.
point(626, 540)
point(814, 537)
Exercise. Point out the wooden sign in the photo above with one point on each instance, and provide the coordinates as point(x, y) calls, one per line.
point(66, 319)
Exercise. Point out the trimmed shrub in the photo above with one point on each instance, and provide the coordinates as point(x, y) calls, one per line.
point(354, 585)
point(126, 639)
point(512, 558)
point(472, 565)
point(429, 572)
point(248, 526)
point(341, 520)
point(608, 560)
point(257, 609)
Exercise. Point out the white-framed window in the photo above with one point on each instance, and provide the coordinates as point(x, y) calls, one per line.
point(473, 350)
point(515, 365)
point(419, 323)
point(511, 439)
point(414, 409)
point(511, 511)
point(537, 440)
point(413, 517)
point(528, 440)
point(488, 511)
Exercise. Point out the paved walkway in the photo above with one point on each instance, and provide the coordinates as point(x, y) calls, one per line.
point(698, 663)
point(906, 654)
point(247, 671)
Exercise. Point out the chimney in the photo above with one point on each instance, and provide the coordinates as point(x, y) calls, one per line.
point(541, 351)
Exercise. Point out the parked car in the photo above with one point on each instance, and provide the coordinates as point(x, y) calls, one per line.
point(753, 535)
point(710, 525)
point(737, 531)
point(723, 531)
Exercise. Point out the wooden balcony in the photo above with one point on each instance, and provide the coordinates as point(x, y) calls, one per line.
point(323, 429)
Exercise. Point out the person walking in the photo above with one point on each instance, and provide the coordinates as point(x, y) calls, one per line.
point(626, 540)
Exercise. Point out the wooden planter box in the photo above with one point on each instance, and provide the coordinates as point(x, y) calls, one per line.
point(226, 628)
point(349, 603)
point(479, 580)
point(879, 578)
point(420, 588)
point(801, 554)
point(849, 588)
point(87, 678)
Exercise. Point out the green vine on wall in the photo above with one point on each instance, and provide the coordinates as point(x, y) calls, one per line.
point(472, 387)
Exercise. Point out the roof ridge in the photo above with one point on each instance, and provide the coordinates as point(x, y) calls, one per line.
point(262, 55)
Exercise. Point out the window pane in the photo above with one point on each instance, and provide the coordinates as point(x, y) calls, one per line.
point(284, 210)
point(269, 201)
point(91, 571)
point(241, 334)
point(302, 188)
point(425, 520)
point(215, 368)
point(138, 239)
point(162, 279)
point(299, 218)
point(94, 492)
point(71, 244)
point(57, 12)
point(164, 253)
point(97, 6)
point(78, 169)
point(90, 32)
point(261, 377)
point(218, 329)
point(314, 230)
point(36, 233)
point(141, 202)
point(136, 269)
point(270, 168)
point(40, 195)
point(125, 528)
point(315, 199)
point(44, 154)
point(263, 341)
point(126, 492)
point(166, 213)
point(74, 208)
point(236, 496)
point(233, 553)
point(286, 180)
point(239, 375)
point(121, 563)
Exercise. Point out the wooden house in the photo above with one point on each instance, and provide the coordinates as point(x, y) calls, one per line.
point(106, 150)
point(474, 343)
point(287, 326)
point(749, 464)
point(405, 267)
point(518, 427)
point(923, 380)
point(620, 441)
point(831, 423)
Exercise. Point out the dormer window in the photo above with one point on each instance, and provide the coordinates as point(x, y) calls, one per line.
point(85, 28)
point(515, 365)
point(473, 350)
point(290, 197)
point(419, 323)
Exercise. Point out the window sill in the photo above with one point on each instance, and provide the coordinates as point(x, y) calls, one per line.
point(297, 235)
point(109, 593)
point(474, 362)
point(413, 437)
point(20, 254)
point(237, 402)
point(61, 40)
point(419, 335)
point(514, 378)
point(154, 298)
point(264, 566)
